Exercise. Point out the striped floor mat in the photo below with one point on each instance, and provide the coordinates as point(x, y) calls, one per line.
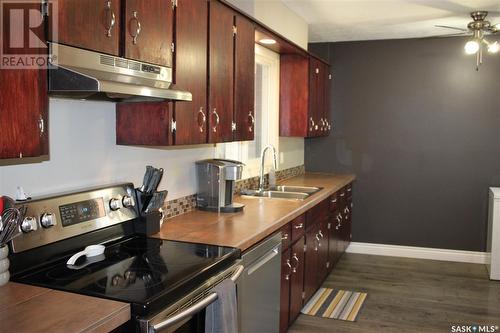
point(335, 304)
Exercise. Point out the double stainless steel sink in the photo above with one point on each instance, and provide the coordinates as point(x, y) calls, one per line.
point(284, 192)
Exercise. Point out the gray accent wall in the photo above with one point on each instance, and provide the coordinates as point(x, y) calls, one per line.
point(420, 128)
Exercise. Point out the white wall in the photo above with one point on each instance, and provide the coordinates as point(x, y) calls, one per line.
point(82, 137)
point(83, 153)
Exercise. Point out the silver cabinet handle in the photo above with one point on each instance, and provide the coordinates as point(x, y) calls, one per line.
point(135, 34)
point(217, 120)
point(311, 124)
point(299, 226)
point(112, 19)
point(346, 210)
point(194, 309)
point(41, 125)
point(318, 239)
point(333, 201)
point(342, 194)
point(294, 257)
point(201, 124)
point(285, 236)
point(273, 253)
point(321, 234)
point(287, 276)
point(251, 119)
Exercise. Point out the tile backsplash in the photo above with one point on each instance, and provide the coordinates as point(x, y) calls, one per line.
point(186, 204)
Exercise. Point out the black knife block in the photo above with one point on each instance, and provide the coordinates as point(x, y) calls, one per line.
point(147, 223)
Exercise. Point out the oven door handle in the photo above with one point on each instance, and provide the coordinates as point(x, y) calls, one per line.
point(194, 309)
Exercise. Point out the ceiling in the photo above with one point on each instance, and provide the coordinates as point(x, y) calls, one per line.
point(348, 20)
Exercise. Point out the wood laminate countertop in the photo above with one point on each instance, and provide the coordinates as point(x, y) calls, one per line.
point(260, 218)
point(25, 308)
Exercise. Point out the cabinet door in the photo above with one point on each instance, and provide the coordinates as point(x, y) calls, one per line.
point(23, 113)
point(244, 80)
point(294, 95)
point(148, 31)
point(332, 243)
point(322, 269)
point(297, 278)
point(191, 71)
point(89, 24)
point(286, 273)
point(326, 89)
point(143, 124)
point(221, 63)
point(311, 263)
point(323, 103)
point(314, 98)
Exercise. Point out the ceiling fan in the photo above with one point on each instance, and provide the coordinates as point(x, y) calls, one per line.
point(478, 29)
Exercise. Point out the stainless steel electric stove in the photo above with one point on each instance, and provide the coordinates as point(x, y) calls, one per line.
point(166, 282)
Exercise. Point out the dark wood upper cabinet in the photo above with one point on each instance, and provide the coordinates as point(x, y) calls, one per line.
point(88, 24)
point(147, 31)
point(191, 71)
point(303, 96)
point(244, 80)
point(23, 113)
point(144, 124)
point(221, 72)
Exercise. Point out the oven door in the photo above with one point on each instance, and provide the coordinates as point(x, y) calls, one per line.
point(188, 314)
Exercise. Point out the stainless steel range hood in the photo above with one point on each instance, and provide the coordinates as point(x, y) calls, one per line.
point(78, 73)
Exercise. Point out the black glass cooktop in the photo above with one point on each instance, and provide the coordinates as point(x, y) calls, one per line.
point(149, 273)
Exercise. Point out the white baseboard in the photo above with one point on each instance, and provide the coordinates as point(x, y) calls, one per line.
point(418, 252)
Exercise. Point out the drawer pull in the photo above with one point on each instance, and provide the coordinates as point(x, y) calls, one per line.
point(285, 237)
point(299, 226)
point(334, 201)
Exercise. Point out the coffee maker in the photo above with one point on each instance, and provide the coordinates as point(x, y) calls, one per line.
point(216, 179)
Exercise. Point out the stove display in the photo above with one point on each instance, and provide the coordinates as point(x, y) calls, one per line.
point(147, 272)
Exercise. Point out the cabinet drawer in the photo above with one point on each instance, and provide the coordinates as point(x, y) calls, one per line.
point(318, 213)
point(286, 236)
point(348, 190)
point(334, 203)
point(298, 226)
point(342, 196)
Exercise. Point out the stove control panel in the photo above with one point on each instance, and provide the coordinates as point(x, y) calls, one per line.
point(54, 218)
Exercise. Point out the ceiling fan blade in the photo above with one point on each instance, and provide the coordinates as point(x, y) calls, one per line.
point(448, 35)
point(448, 27)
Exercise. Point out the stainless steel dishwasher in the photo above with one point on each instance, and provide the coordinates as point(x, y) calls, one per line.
point(259, 287)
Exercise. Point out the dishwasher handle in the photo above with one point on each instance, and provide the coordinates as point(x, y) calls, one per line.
point(264, 259)
point(194, 309)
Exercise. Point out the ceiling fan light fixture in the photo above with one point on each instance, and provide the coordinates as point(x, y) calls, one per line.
point(494, 47)
point(471, 47)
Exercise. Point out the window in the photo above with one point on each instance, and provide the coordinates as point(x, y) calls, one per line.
point(266, 116)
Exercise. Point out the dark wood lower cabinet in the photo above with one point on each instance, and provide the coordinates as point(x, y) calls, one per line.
point(286, 272)
point(297, 278)
point(308, 257)
point(311, 262)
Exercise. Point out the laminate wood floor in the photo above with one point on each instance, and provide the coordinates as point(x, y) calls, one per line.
point(410, 295)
